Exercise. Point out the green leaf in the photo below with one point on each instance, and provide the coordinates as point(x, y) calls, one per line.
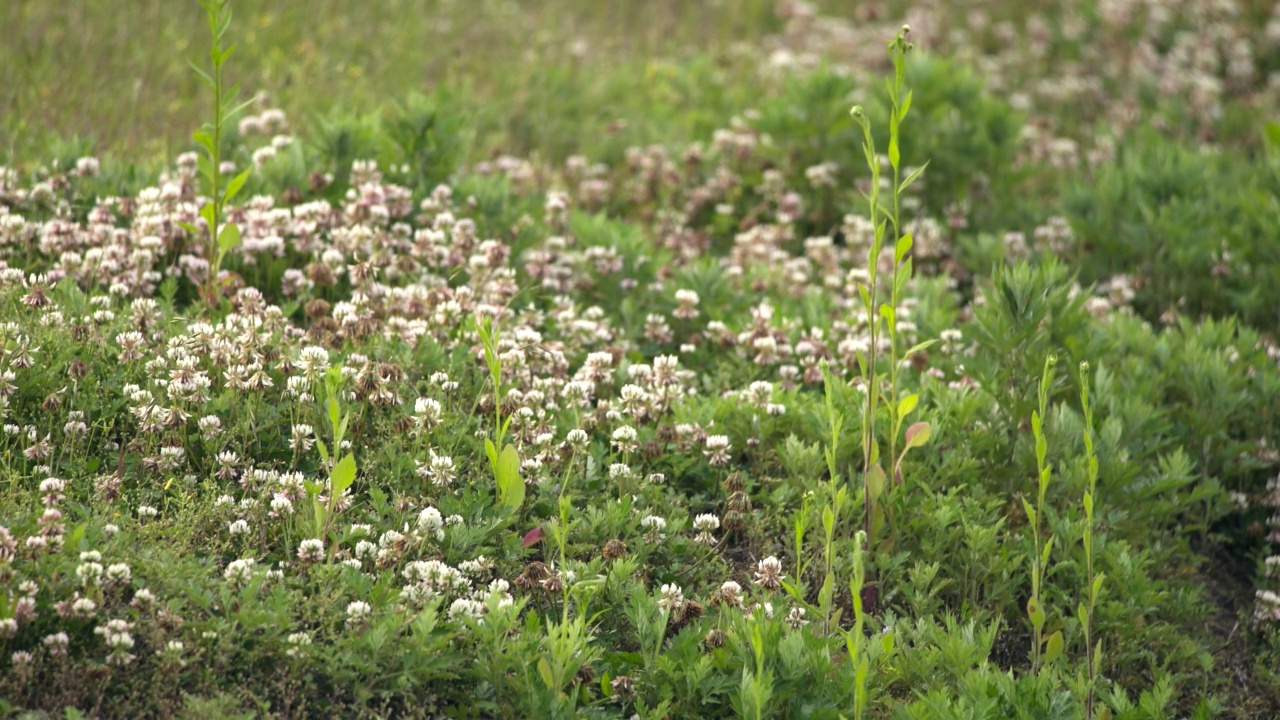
point(236, 183)
point(918, 433)
point(204, 139)
point(510, 484)
point(545, 671)
point(907, 404)
point(1035, 613)
point(492, 452)
point(918, 347)
point(324, 450)
point(1271, 133)
point(875, 482)
point(342, 475)
point(915, 175)
point(901, 248)
point(334, 412)
point(1053, 648)
point(894, 156)
point(228, 238)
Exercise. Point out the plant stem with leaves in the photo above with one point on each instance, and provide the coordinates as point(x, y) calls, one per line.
point(1093, 582)
point(1040, 556)
point(222, 240)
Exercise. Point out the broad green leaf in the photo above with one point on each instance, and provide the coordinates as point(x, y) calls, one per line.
point(545, 671)
point(510, 484)
point(1053, 649)
point(875, 482)
point(492, 453)
point(334, 412)
point(1271, 133)
point(907, 404)
point(1035, 613)
point(918, 433)
point(229, 238)
point(236, 183)
point(901, 248)
point(343, 474)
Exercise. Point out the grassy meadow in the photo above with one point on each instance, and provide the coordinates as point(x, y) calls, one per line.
point(695, 359)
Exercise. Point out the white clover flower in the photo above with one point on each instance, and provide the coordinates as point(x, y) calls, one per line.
point(672, 597)
point(431, 523)
point(358, 613)
point(298, 643)
point(717, 449)
point(577, 437)
point(467, 608)
point(311, 550)
point(239, 572)
point(366, 549)
point(769, 573)
point(147, 512)
point(238, 527)
point(119, 574)
point(89, 573)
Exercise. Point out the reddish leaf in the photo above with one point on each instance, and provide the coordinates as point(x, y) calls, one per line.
point(532, 537)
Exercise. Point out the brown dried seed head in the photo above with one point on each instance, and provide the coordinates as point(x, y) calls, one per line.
point(715, 638)
point(614, 549)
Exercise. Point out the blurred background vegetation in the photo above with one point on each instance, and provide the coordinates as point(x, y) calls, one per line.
point(540, 75)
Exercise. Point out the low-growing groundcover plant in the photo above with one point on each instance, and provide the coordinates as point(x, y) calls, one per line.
point(727, 429)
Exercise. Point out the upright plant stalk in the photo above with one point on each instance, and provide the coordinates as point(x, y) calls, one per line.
point(1040, 557)
point(883, 218)
point(222, 240)
point(1093, 586)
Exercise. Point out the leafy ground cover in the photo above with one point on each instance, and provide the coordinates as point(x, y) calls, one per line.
point(622, 373)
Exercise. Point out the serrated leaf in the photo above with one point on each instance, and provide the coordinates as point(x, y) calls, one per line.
point(918, 433)
point(1053, 647)
point(510, 484)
